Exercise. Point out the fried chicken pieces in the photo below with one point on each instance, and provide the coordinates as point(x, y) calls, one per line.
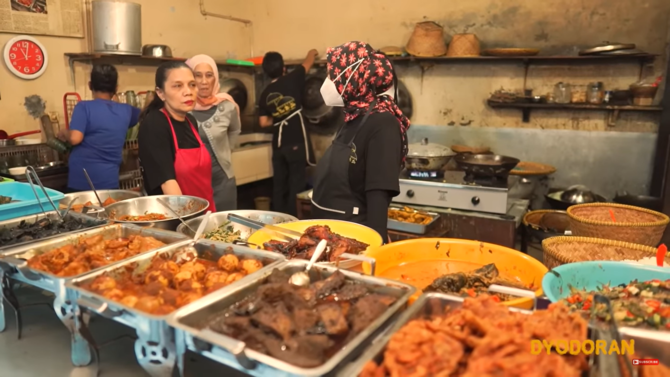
point(304, 247)
point(91, 253)
point(482, 339)
point(170, 283)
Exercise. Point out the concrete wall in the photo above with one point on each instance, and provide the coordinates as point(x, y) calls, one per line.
point(455, 93)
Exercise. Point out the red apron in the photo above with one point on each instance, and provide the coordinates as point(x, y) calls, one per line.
point(193, 168)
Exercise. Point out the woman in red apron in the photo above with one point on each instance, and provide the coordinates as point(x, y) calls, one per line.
point(173, 159)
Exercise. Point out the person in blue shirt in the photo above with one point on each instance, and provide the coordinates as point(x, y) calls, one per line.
point(98, 132)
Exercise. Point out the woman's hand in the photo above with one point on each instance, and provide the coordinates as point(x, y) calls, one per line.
point(171, 187)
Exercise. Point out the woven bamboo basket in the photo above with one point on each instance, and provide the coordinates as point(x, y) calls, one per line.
point(427, 40)
point(463, 45)
point(633, 224)
point(563, 250)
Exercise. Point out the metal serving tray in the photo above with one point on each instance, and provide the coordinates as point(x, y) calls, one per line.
point(649, 343)
point(14, 261)
point(13, 265)
point(191, 336)
point(403, 226)
point(87, 220)
point(433, 304)
point(152, 330)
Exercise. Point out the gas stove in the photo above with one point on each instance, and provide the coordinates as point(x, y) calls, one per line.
point(454, 189)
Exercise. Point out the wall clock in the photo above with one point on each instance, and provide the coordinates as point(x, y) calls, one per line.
point(26, 57)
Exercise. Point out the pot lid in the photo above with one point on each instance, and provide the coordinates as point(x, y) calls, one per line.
point(607, 47)
point(426, 149)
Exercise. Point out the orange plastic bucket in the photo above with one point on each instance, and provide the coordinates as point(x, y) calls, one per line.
point(438, 254)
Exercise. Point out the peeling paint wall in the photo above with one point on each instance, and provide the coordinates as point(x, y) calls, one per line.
point(455, 93)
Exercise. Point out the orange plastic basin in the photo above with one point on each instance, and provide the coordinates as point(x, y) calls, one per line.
point(420, 261)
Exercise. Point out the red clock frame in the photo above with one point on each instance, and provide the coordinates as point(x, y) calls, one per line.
point(26, 57)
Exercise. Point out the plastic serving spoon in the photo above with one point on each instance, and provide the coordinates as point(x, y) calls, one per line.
point(660, 254)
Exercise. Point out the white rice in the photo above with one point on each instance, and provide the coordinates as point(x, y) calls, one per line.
point(648, 261)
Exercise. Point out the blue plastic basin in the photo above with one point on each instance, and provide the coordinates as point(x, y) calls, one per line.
point(27, 203)
point(593, 274)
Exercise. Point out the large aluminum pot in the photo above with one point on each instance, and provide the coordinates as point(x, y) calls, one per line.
point(187, 207)
point(220, 218)
point(425, 156)
point(89, 196)
point(116, 27)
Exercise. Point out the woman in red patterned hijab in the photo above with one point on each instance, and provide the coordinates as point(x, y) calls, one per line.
point(358, 175)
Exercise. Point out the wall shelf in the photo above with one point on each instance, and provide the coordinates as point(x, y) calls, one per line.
point(612, 109)
point(525, 59)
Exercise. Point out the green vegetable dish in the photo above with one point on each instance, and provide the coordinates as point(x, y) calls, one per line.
point(224, 233)
point(636, 304)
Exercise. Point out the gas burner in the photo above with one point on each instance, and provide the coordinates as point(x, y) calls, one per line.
point(489, 181)
point(419, 174)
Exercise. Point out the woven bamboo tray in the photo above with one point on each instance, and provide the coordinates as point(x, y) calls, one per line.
point(563, 250)
point(528, 168)
point(633, 224)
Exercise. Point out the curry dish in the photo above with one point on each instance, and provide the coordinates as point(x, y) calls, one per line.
point(409, 215)
point(80, 207)
point(145, 217)
point(169, 283)
point(90, 253)
point(483, 338)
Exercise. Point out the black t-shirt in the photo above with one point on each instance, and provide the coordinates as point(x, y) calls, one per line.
point(282, 99)
point(157, 151)
point(375, 160)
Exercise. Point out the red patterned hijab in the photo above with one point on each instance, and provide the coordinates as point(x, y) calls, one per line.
point(374, 75)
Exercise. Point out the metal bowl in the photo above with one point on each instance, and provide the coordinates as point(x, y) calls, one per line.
point(578, 195)
point(187, 207)
point(220, 218)
point(89, 196)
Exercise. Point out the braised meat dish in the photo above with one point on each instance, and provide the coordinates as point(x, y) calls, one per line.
point(169, 283)
point(473, 283)
point(42, 228)
point(304, 247)
point(483, 338)
point(90, 253)
point(303, 326)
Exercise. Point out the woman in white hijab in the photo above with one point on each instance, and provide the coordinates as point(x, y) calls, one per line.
point(219, 125)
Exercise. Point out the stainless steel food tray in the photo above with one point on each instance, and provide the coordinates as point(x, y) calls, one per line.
point(13, 265)
point(649, 343)
point(155, 347)
point(13, 262)
point(433, 304)
point(191, 336)
point(87, 220)
point(403, 226)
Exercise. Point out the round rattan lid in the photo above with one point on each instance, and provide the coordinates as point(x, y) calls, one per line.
point(528, 168)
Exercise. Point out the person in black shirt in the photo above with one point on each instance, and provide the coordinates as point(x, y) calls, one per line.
point(358, 175)
point(280, 105)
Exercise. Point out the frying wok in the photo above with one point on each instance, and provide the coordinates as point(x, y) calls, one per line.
point(488, 165)
point(554, 200)
point(649, 202)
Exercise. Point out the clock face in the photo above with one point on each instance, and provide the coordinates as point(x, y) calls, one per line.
point(25, 57)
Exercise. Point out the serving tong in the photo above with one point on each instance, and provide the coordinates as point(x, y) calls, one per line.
point(274, 231)
point(31, 175)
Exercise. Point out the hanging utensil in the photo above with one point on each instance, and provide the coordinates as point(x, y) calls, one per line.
point(31, 175)
point(90, 183)
point(301, 278)
point(166, 205)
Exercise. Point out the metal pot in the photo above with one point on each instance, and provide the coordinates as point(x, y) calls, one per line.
point(157, 51)
point(116, 27)
point(426, 156)
point(186, 206)
point(522, 187)
point(578, 194)
point(220, 218)
point(486, 165)
point(649, 202)
point(313, 107)
point(89, 196)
